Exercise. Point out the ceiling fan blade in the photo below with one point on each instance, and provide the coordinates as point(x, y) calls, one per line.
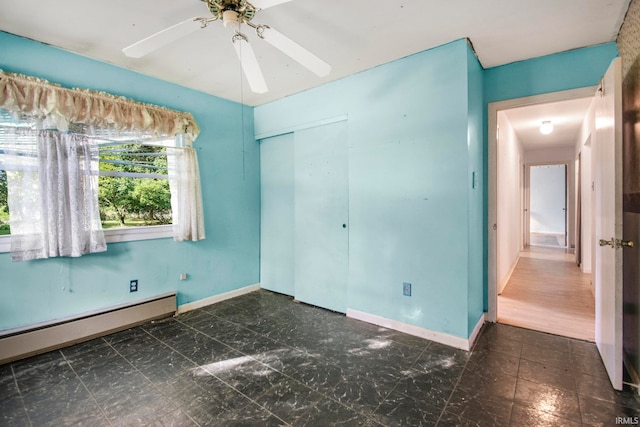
point(249, 64)
point(264, 4)
point(161, 38)
point(295, 51)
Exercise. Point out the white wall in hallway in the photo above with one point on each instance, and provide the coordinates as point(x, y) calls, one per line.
point(509, 224)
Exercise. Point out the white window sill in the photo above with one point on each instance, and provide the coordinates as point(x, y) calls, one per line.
point(117, 235)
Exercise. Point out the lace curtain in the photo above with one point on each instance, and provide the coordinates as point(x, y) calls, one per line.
point(186, 198)
point(53, 197)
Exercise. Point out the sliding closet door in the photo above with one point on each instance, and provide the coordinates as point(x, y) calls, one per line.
point(277, 213)
point(321, 216)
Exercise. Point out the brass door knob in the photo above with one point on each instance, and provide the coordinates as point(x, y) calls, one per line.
point(624, 243)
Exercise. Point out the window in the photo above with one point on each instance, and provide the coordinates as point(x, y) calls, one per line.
point(134, 194)
point(133, 182)
point(133, 189)
point(76, 161)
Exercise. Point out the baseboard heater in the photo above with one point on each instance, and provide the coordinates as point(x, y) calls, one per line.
point(35, 339)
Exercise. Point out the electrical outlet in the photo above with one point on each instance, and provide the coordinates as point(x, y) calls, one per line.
point(133, 285)
point(406, 289)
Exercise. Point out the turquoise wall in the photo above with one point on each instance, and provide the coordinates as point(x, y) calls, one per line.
point(228, 259)
point(409, 189)
point(552, 73)
point(475, 184)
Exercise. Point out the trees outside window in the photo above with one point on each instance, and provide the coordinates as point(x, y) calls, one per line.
point(4, 210)
point(133, 189)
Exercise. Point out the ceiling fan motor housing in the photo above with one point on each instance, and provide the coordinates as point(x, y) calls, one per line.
point(244, 9)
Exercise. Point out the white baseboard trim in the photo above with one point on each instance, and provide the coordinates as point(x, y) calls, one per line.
point(440, 337)
point(476, 330)
point(507, 277)
point(217, 298)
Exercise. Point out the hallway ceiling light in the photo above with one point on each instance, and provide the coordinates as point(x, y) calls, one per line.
point(546, 127)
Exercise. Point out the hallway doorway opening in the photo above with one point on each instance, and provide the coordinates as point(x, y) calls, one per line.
point(536, 215)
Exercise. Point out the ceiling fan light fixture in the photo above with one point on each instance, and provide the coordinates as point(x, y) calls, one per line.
point(231, 20)
point(546, 128)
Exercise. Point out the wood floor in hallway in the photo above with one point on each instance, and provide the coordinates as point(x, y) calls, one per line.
point(548, 292)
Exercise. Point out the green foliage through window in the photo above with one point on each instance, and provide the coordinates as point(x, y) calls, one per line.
point(4, 210)
point(133, 187)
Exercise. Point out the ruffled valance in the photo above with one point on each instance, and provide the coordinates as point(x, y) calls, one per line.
point(40, 98)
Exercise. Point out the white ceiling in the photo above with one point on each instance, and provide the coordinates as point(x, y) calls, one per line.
point(566, 117)
point(352, 35)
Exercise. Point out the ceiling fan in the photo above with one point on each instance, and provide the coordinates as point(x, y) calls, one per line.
point(233, 13)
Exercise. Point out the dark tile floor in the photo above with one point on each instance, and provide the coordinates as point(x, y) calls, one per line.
point(262, 359)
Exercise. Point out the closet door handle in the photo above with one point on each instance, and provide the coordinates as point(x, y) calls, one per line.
point(344, 225)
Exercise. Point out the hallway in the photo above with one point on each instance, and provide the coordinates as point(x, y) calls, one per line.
point(548, 292)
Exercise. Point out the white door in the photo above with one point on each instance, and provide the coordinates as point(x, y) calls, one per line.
point(321, 216)
point(607, 159)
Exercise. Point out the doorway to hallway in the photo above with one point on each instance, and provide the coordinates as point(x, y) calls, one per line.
point(538, 283)
point(547, 292)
